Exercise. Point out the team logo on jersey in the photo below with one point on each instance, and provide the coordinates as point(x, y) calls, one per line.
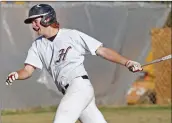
point(63, 54)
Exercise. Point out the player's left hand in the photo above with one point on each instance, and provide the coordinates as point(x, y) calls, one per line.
point(133, 66)
point(11, 77)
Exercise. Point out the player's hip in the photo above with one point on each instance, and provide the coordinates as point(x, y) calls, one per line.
point(79, 83)
point(66, 76)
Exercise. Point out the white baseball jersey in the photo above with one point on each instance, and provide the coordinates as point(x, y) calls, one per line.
point(64, 56)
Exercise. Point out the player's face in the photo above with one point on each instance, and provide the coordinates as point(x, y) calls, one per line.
point(37, 26)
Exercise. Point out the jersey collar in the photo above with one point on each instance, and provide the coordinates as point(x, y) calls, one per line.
point(53, 37)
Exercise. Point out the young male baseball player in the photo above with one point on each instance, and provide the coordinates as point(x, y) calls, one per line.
point(61, 52)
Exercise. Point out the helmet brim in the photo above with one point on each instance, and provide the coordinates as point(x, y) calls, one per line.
point(28, 20)
point(31, 18)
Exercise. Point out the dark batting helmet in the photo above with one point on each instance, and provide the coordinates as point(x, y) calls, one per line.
point(42, 10)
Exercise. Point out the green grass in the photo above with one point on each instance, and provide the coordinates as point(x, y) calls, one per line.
point(29, 110)
point(104, 109)
point(133, 114)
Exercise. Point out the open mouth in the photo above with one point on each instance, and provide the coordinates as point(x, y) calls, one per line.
point(36, 29)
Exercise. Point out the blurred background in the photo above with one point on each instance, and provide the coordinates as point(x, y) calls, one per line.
point(140, 31)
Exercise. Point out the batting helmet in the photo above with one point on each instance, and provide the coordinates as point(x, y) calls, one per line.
point(42, 10)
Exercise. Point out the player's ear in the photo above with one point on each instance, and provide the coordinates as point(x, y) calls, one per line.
point(55, 25)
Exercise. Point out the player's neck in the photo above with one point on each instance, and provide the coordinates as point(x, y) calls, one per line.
point(51, 32)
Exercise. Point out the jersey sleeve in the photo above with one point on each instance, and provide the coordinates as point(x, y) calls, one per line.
point(33, 57)
point(89, 44)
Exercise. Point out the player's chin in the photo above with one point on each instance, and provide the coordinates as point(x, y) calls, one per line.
point(38, 31)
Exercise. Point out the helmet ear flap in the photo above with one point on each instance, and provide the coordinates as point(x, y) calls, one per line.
point(45, 21)
point(48, 19)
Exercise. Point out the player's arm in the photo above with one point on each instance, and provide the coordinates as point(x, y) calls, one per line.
point(21, 74)
point(96, 48)
point(25, 72)
point(113, 56)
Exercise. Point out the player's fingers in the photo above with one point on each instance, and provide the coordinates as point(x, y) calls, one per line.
point(13, 77)
point(6, 83)
point(139, 67)
point(10, 79)
point(10, 83)
point(135, 68)
point(131, 68)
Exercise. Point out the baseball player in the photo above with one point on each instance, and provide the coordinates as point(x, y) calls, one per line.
point(61, 51)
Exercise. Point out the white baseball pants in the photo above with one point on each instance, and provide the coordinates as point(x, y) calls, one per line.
point(79, 103)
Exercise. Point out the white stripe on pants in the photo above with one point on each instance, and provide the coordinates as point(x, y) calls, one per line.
point(79, 103)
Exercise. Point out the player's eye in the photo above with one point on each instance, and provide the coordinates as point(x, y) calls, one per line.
point(36, 20)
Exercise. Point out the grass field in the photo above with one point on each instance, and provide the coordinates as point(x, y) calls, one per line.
point(151, 114)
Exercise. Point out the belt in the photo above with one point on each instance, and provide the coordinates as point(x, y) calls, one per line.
point(85, 77)
point(66, 86)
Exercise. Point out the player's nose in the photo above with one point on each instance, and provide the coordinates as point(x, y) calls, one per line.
point(33, 23)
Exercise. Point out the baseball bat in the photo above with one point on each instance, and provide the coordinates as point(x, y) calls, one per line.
point(158, 60)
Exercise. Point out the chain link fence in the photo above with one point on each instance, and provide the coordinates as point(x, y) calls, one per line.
point(154, 85)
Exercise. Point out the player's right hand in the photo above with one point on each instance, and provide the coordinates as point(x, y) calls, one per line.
point(133, 66)
point(11, 77)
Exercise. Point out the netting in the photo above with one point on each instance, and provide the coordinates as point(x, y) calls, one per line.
point(161, 46)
